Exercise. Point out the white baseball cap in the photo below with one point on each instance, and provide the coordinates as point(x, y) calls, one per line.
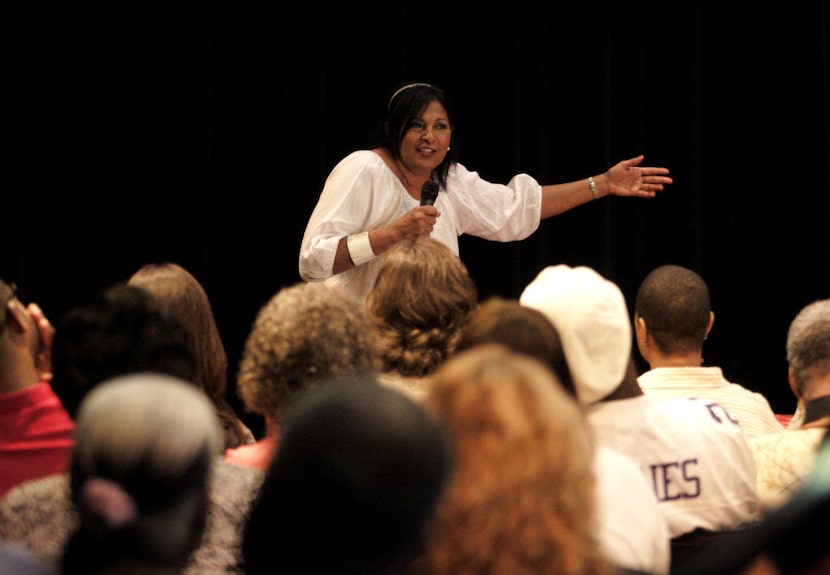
point(591, 316)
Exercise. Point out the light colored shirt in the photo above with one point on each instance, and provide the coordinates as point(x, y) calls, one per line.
point(361, 193)
point(750, 408)
point(695, 457)
point(784, 462)
point(632, 531)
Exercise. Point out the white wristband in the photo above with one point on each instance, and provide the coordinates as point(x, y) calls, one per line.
point(360, 248)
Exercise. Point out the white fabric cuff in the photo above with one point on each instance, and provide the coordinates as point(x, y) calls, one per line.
point(360, 248)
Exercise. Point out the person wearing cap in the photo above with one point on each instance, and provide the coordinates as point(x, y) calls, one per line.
point(693, 453)
point(631, 529)
point(371, 199)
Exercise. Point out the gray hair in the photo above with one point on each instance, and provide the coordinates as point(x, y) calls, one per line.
point(153, 439)
point(808, 342)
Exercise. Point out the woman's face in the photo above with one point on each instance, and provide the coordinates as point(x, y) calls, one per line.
point(424, 145)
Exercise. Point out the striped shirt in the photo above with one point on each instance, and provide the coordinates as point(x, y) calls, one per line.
point(751, 409)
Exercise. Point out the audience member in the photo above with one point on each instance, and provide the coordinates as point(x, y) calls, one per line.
point(118, 331)
point(520, 499)
point(785, 459)
point(417, 307)
point(631, 527)
point(39, 515)
point(632, 530)
point(672, 319)
point(145, 445)
point(35, 429)
point(693, 453)
point(789, 540)
point(357, 473)
point(522, 329)
point(182, 295)
point(303, 333)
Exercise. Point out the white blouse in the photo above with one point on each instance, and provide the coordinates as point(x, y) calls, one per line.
point(361, 193)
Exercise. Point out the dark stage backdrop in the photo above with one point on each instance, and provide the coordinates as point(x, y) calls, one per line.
point(142, 131)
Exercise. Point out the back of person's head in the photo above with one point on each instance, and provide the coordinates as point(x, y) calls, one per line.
point(521, 495)
point(305, 332)
point(590, 314)
point(121, 329)
point(674, 303)
point(421, 300)
point(521, 328)
point(808, 343)
point(182, 295)
point(140, 473)
point(356, 475)
point(406, 106)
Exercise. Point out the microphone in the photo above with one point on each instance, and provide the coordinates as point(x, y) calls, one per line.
point(428, 193)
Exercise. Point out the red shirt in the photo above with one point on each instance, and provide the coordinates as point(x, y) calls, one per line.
point(36, 435)
point(254, 455)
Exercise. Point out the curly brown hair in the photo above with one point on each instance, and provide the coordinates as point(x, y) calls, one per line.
point(304, 332)
point(521, 497)
point(421, 300)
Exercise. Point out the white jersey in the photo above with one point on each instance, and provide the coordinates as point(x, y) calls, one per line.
point(693, 454)
point(632, 531)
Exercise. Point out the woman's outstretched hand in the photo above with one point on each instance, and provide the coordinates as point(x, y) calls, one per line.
point(628, 178)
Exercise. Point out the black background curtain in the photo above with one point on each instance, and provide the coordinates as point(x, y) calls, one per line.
point(141, 131)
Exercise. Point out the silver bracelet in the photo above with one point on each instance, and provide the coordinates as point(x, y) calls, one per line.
point(593, 187)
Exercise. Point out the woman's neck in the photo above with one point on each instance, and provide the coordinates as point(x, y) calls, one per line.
point(411, 181)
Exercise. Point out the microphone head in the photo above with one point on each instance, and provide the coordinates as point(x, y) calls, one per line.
point(429, 192)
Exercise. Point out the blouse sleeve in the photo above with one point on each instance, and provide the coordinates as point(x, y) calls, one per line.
point(495, 211)
point(359, 195)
